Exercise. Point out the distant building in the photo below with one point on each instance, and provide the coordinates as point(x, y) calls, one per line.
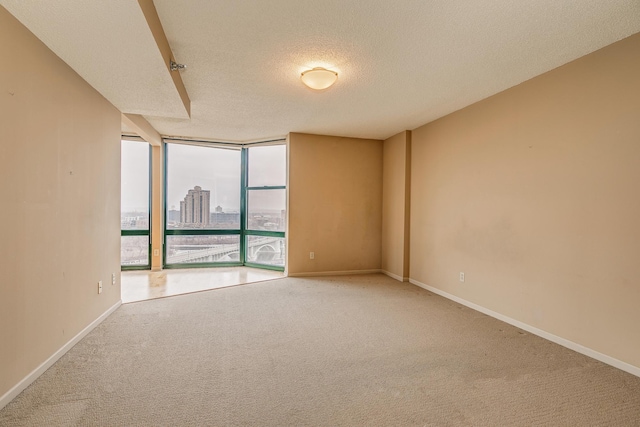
point(222, 220)
point(218, 209)
point(194, 209)
point(173, 216)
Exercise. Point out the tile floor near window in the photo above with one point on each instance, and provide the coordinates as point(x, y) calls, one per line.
point(144, 285)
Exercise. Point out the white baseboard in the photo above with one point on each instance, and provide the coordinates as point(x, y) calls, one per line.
point(334, 273)
point(26, 381)
point(395, 276)
point(634, 370)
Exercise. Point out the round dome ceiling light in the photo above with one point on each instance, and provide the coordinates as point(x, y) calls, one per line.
point(319, 78)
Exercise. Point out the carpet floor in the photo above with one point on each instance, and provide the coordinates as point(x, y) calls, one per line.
point(357, 350)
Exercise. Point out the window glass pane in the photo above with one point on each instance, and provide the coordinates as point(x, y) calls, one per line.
point(134, 250)
point(203, 187)
point(266, 210)
point(134, 202)
point(201, 249)
point(266, 250)
point(268, 166)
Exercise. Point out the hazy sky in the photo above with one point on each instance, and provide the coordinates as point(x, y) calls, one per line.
point(135, 176)
point(213, 169)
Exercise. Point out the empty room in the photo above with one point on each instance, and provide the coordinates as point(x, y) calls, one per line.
point(319, 213)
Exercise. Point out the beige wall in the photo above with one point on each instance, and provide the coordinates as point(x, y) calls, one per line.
point(396, 174)
point(533, 193)
point(60, 192)
point(335, 200)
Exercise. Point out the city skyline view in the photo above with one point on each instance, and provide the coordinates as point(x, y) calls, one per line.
point(214, 169)
point(203, 186)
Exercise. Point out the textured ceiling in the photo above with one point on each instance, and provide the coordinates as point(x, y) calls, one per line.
point(109, 43)
point(401, 64)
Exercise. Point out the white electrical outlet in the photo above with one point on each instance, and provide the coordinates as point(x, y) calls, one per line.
point(100, 286)
point(312, 255)
point(113, 278)
point(156, 252)
point(461, 276)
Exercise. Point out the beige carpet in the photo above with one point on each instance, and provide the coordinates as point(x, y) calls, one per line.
point(360, 350)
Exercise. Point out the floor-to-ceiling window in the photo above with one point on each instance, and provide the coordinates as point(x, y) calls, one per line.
point(202, 206)
point(134, 205)
point(225, 205)
point(266, 205)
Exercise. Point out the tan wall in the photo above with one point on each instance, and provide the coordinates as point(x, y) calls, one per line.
point(60, 192)
point(396, 170)
point(335, 200)
point(533, 193)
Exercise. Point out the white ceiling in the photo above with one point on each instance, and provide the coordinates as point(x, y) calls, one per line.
point(401, 64)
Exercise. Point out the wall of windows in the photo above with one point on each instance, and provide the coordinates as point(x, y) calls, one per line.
point(134, 205)
point(225, 206)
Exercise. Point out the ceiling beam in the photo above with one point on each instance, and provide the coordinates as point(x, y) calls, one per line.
point(153, 21)
point(143, 128)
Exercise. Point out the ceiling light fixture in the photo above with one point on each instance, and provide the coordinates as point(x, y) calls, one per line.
point(319, 78)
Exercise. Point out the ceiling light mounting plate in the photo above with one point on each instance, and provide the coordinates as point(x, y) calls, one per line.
point(174, 66)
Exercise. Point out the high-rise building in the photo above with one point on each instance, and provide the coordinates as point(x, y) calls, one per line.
point(194, 209)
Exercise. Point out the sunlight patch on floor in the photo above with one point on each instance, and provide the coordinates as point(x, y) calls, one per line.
point(145, 285)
